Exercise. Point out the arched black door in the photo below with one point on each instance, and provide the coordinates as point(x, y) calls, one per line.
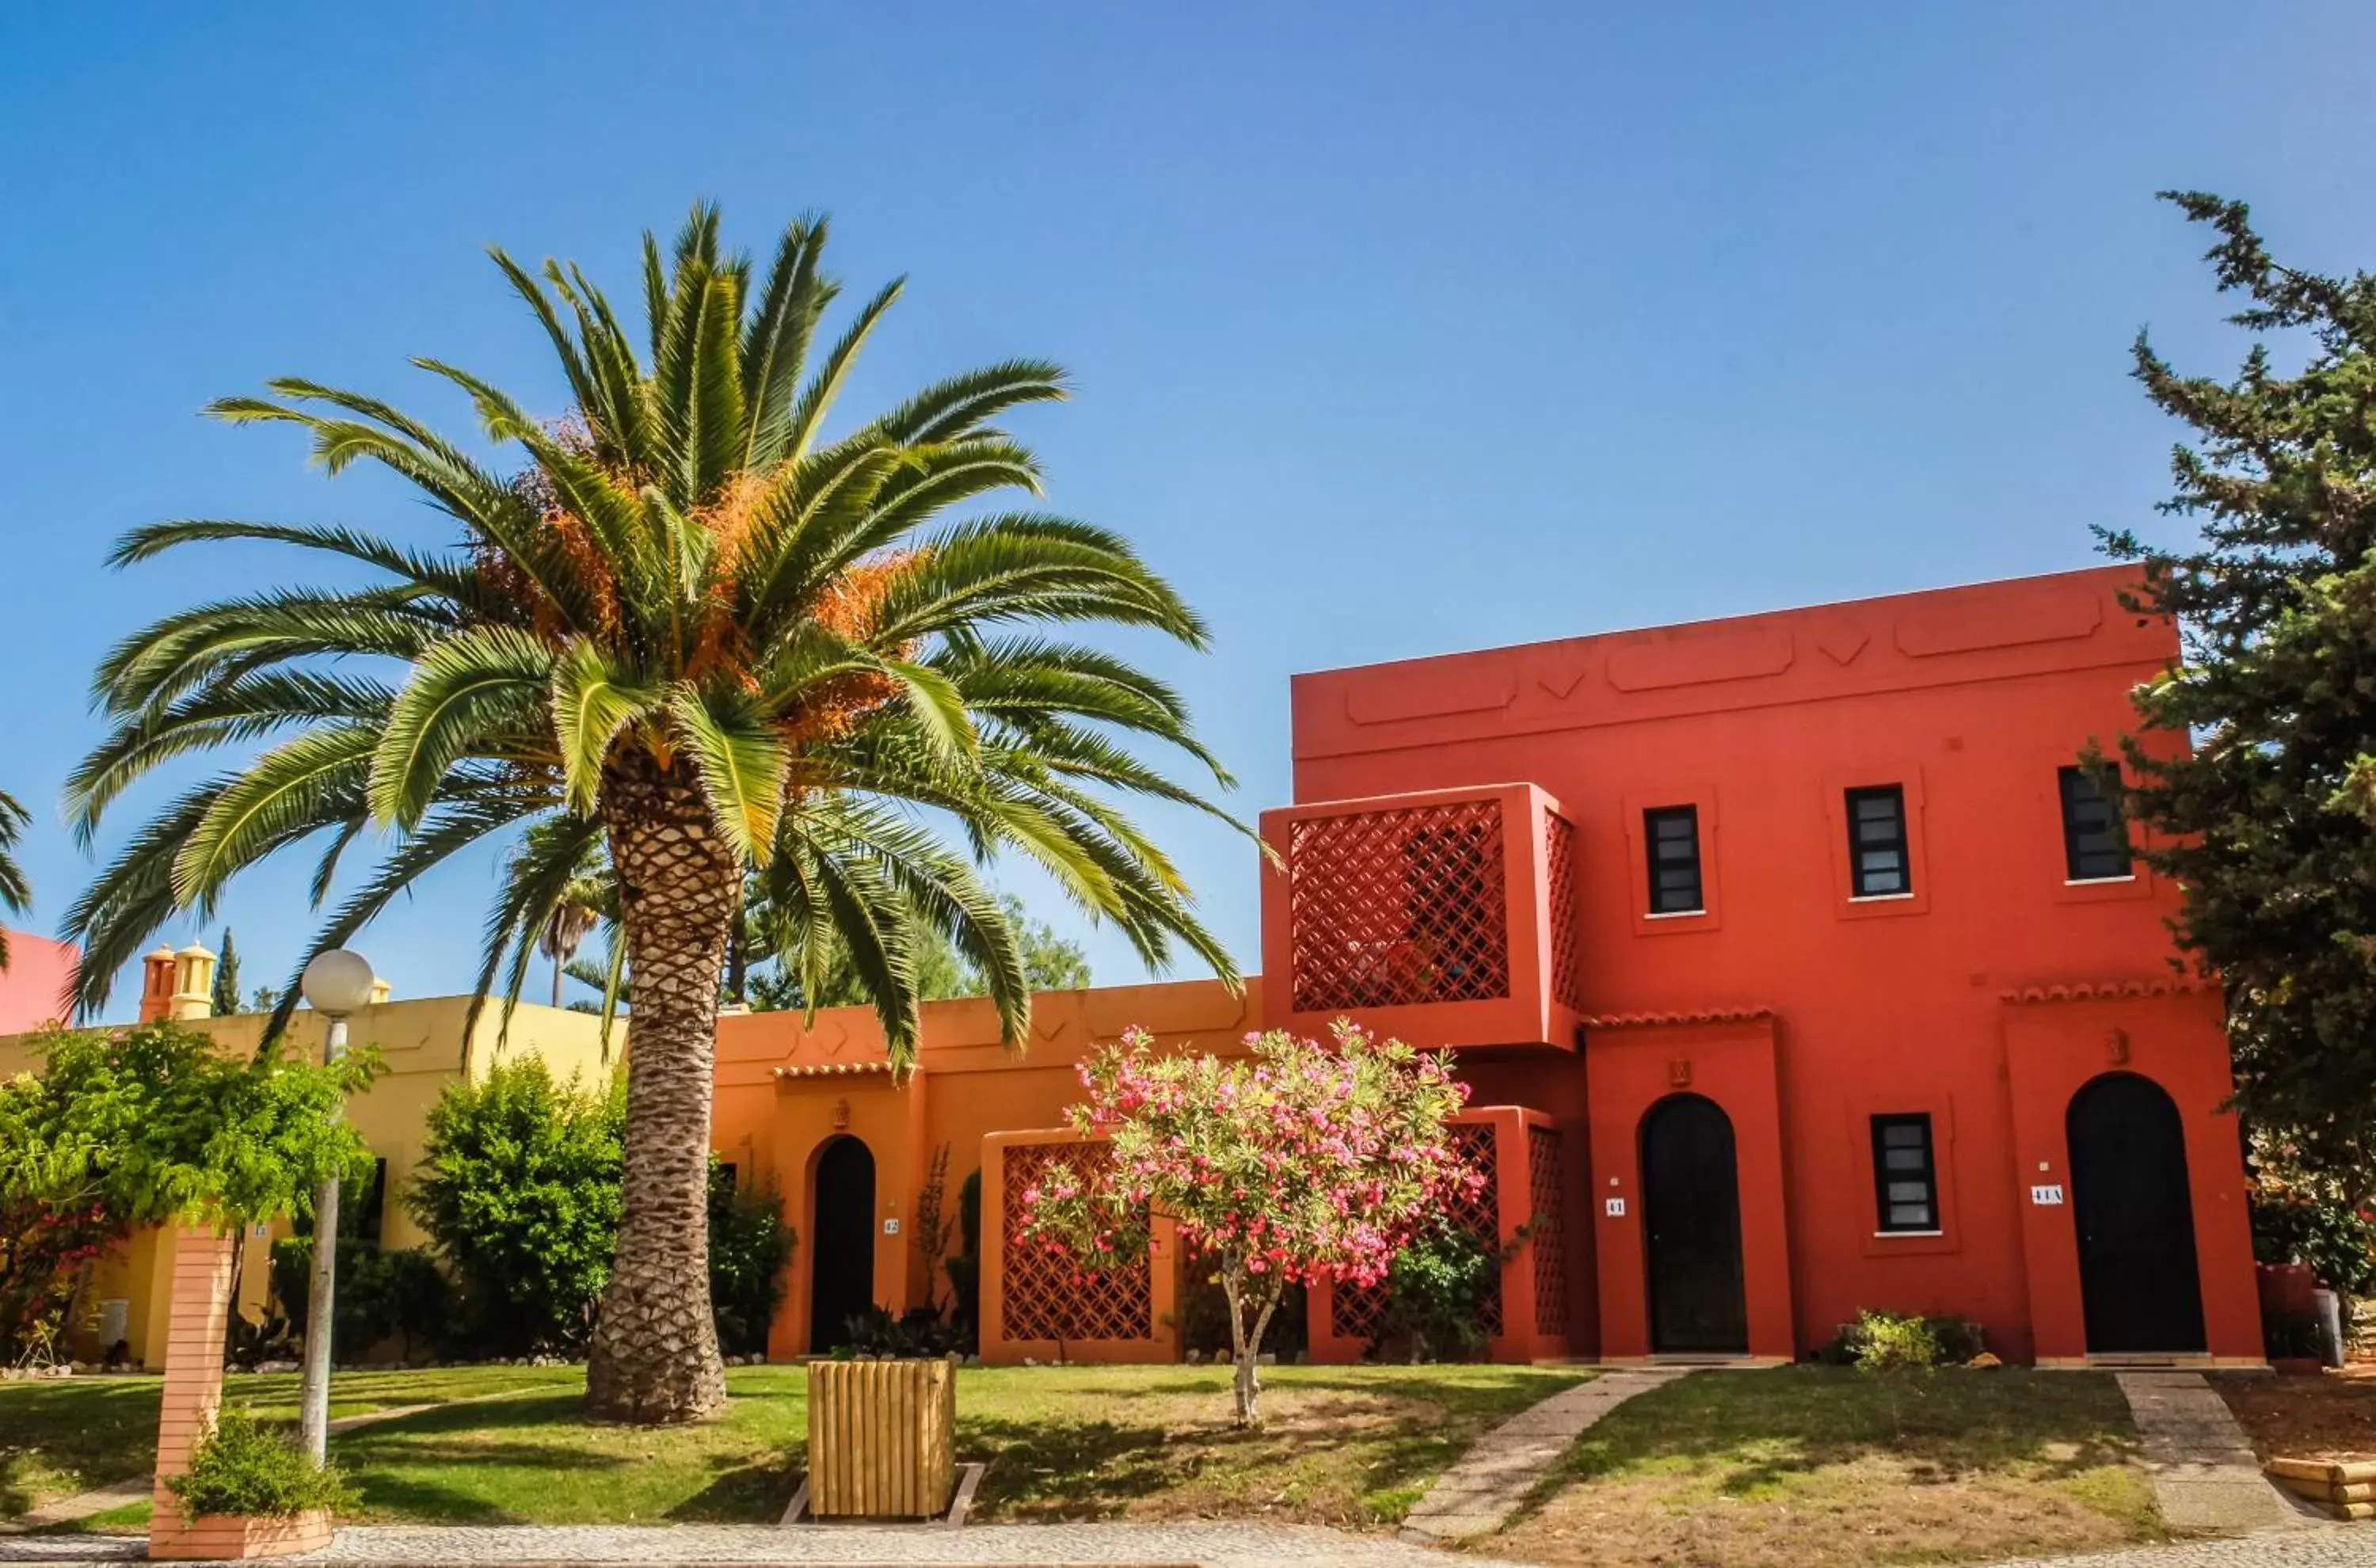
point(2135, 1218)
point(841, 1264)
point(1690, 1228)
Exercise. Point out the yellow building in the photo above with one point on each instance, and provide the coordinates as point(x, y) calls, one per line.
point(424, 1047)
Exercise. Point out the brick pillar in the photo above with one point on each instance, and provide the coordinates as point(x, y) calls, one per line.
point(194, 1362)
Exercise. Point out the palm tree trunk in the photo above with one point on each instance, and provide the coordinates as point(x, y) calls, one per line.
point(654, 1355)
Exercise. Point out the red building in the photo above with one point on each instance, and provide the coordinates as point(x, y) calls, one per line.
point(37, 987)
point(1796, 965)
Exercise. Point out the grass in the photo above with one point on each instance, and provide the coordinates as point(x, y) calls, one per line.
point(67, 1436)
point(1806, 1465)
point(1350, 1447)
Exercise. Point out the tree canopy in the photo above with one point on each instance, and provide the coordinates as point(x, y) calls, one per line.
point(156, 1125)
point(2266, 821)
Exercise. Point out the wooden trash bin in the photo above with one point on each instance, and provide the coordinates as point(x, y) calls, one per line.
point(882, 1439)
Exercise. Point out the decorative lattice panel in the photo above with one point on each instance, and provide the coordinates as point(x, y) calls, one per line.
point(1547, 1188)
point(1559, 837)
point(1397, 907)
point(1046, 1295)
point(1355, 1311)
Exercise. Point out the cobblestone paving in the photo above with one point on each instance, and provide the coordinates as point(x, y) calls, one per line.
point(1221, 1546)
point(2205, 1476)
point(2318, 1545)
point(1489, 1480)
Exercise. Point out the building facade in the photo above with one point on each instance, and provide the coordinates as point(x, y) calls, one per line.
point(423, 1047)
point(1795, 962)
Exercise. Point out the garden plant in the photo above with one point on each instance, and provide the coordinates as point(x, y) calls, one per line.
point(1302, 1162)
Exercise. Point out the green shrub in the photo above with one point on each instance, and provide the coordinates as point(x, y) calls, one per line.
point(964, 1265)
point(1437, 1290)
point(382, 1293)
point(2298, 1219)
point(1886, 1342)
point(750, 1247)
point(243, 1468)
point(518, 1190)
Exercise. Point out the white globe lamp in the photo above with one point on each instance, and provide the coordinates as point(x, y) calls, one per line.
point(337, 982)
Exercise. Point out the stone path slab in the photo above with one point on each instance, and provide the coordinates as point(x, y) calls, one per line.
point(2205, 1475)
point(1490, 1481)
point(1145, 1546)
point(137, 1489)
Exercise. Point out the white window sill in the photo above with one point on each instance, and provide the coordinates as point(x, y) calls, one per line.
point(1898, 1235)
point(1879, 898)
point(2097, 881)
point(1678, 915)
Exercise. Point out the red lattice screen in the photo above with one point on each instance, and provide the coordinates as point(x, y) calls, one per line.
point(1546, 1189)
point(1038, 1289)
point(1397, 907)
point(1559, 837)
point(1355, 1311)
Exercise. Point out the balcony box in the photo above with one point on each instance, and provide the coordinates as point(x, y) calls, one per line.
point(1444, 918)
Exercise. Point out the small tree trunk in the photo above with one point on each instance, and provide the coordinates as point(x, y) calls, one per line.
point(1245, 1345)
point(654, 1354)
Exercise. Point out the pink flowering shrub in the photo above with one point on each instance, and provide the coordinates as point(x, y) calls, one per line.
point(1306, 1162)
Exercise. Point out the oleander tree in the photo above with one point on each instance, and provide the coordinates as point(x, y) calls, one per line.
point(1301, 1162)
point(2256, 768)
point(695, 630)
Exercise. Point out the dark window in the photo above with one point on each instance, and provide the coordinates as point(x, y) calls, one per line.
point(361, 1209)
point(2095, 839)
point(1672, 836)
point(1877, 863)
point(1905, 1174)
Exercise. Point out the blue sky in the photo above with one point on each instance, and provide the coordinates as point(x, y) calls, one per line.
point(1396, 329)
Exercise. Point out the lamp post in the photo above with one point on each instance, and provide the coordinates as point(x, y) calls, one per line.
point(336, 983)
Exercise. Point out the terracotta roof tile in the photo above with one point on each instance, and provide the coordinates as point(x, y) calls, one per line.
point(1700, 1016)
point(831, 1069)
point(2108, 990)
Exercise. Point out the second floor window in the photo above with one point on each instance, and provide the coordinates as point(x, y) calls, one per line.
point(1877, 859)
point(2095, 838)
point(1672, 834)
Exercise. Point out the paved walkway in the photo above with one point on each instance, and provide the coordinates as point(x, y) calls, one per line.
point(2204, 1475)
point(1169, 1546)
point(1489, 1480)
point(137, 1488)
point(2317, 1546)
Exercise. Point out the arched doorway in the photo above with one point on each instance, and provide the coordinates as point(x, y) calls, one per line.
point(1691, 1229)
point(841, 1258)
point(2135, 1216)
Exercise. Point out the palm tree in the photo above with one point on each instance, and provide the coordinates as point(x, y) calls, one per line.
point(16, 894)
point(692, 631)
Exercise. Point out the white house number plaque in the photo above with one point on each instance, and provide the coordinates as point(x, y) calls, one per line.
point(1616, 1208)
point(2048, 1196)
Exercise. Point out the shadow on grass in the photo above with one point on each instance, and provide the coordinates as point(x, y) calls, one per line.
point(91, 1431)
point(1340, 1445)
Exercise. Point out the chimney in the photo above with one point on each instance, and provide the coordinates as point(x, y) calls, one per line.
point(194, 984)
point(379, 991)
point(157, 986)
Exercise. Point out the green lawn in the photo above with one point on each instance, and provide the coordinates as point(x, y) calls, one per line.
point(1346, 1445)
point(1806, 1465)
point(60, 1438)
